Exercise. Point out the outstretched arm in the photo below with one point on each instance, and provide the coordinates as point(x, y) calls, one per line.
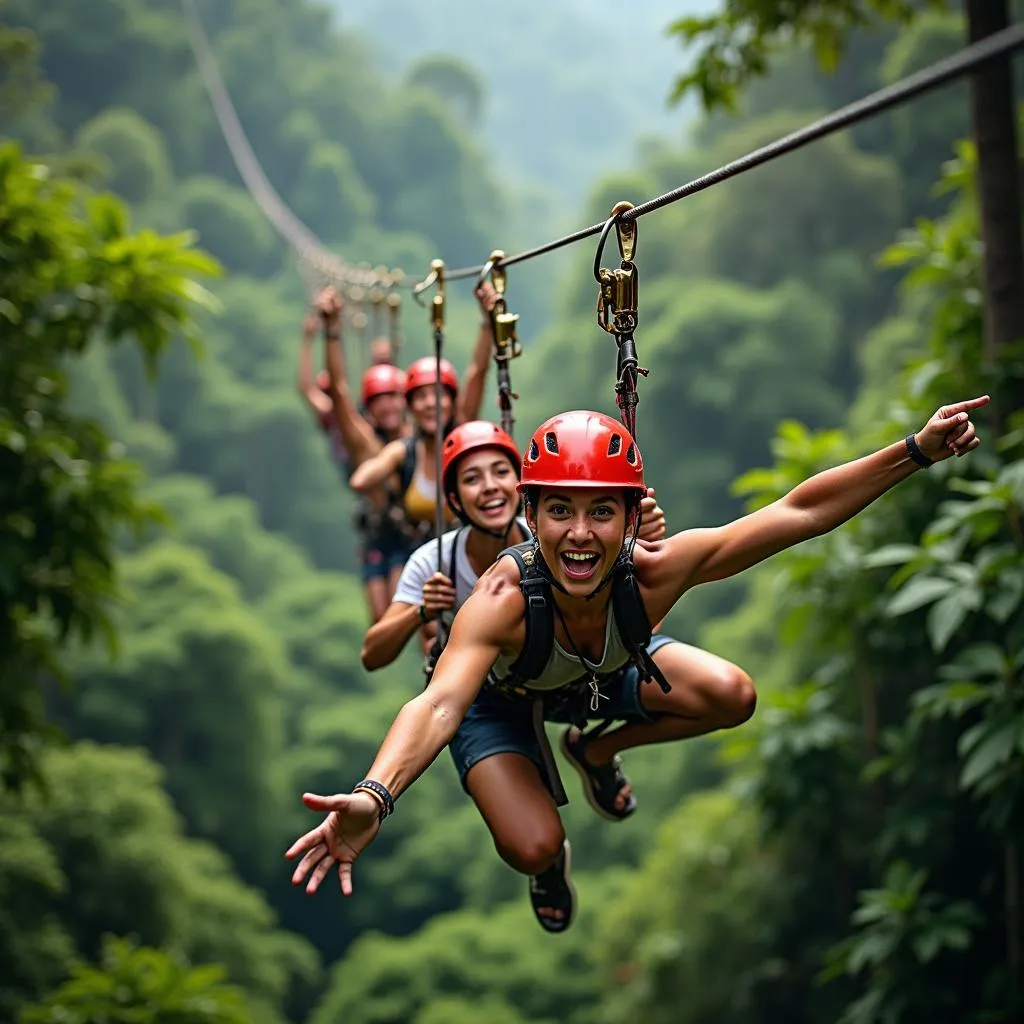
point(814, 507)
point(427, 723)
point(376, 469)
point(423, 728)
point(472, 392)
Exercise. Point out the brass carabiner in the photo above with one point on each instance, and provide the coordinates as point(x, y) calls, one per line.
point(437, 305)
point(618, 295)
point(498, 276)
point(625, 231)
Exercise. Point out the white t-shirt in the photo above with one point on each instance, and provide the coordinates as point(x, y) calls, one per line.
point(422, 565)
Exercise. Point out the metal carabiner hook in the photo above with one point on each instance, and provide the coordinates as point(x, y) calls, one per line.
point(437, 305)
point(436, 276)
point(626, 236)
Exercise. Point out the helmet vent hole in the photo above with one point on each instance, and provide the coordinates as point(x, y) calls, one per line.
point(615, 445)
point(631, 454)
point(551, 442)
point(534, 451)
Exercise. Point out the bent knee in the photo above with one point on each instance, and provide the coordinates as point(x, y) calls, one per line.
point(533, 853)
point(737, 697)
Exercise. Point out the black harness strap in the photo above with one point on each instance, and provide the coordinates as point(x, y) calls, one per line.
point(540, 617)
point(633, 624)
point(631, 621)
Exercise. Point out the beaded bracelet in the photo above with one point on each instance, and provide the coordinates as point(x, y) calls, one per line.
point(387, 802)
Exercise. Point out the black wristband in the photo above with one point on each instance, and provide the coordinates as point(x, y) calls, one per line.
point(332, 334)
point(916, 454)
point(387, 802)
point(424, 617)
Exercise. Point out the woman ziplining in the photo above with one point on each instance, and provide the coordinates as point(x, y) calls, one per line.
point(558, 630)
point(582, 478)
point(356, 436)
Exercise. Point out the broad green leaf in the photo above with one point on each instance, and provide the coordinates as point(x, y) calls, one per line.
point(891, 554)
point(947, 615)
point(991, 753)
point(918, 592)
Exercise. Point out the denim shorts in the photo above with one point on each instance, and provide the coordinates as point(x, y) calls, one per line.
point(500, 724)
point(384, 553)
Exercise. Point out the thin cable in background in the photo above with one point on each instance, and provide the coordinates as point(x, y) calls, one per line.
point(316, 256)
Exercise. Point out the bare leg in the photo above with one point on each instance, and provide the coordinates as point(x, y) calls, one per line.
point(708, 693)
point(520, 813)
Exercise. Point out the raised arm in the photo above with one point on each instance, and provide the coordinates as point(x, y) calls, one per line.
point(357, 435)
point(472, 392)
point(375, 470)
point(422, 729)
point(315, 398)
point(812, 508)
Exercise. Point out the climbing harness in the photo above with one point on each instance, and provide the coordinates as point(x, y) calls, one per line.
point(506, 342)
point(631, 622)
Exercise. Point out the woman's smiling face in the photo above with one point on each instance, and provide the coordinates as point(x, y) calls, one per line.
point(485, 485)
point(580, 531)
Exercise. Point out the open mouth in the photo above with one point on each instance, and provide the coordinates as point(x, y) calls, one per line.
point(493, 509)
point(580, 565)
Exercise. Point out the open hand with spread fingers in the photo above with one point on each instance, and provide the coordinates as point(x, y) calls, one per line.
point(352, 823)
point(950, 431)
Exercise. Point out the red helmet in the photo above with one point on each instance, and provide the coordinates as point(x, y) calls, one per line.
point(582, 449)
point(382, 379)
point(424, 371)
point(471, 437)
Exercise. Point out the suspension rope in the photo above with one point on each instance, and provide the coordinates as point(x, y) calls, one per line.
point(313, 256)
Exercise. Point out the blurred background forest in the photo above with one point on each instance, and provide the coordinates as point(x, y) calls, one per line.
point(177, 562)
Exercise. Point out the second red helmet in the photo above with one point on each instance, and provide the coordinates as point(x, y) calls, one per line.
point(424, 371)
point(382, 379)
point(470, 437)
point(582, 449)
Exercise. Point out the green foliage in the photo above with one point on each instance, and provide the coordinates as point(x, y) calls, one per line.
point(35, 948)
point(229, 224)
point(141, 986)
point(110, 854)
point(906, 625)
point(136, 164)
point(739, 41)
point(495, 960)
point(451, 79)
point(903, 930)
point(198, 683)
point(691, 937)
point(68, 280)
